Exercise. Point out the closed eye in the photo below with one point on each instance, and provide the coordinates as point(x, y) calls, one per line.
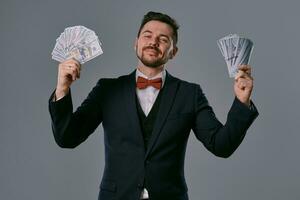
point(164, 40)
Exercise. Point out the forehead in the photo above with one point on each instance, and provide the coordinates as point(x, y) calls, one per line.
point(157, 27)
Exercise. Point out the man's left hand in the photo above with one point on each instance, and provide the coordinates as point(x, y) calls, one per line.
point(243, 84)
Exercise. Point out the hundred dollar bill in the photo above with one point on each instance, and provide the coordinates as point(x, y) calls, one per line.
point(77, 42)
point(236, 50)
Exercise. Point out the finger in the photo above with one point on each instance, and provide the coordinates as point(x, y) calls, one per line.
point(241, 85)
point(77, 63)
point(74, 74)
point(244, 83)
point(77, 66)
point(72, 62)
point(245, 68)
point(73, 65)
point(73, 71)
point(242, 74)
point(78, 72)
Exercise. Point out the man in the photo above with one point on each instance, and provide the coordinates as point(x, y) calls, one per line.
point(147, 117)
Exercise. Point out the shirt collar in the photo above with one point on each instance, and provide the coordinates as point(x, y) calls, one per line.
point(161, 75)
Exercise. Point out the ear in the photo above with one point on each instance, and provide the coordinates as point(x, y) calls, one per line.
point(135, 43)
point(173, 52)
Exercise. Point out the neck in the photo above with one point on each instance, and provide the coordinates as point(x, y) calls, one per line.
point(150, 72)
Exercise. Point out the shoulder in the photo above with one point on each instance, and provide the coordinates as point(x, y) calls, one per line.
point(185, 85)
point(106, 82)
point(114, 84)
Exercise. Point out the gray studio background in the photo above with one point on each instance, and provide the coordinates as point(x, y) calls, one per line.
point(266, 165)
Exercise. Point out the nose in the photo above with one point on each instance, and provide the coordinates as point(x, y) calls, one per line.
point(154, 42)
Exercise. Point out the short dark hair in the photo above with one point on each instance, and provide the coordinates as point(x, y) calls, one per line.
point(162, 18)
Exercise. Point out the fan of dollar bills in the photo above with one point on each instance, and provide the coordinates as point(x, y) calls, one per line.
point(77, 42)
point(236, 51)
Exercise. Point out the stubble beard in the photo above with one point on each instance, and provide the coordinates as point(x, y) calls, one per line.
point(154, 63)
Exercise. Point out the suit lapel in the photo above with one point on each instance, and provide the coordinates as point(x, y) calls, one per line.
point(131, 106)
point(167, 99)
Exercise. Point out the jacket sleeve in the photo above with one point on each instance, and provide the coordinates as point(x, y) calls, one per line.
point(72, 128)
point(221, 140)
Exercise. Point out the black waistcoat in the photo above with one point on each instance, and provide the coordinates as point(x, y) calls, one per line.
point(147, 122)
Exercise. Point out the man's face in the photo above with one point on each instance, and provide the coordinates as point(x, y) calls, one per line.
point(154, 46)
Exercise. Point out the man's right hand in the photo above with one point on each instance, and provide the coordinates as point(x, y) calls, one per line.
point(68, 72)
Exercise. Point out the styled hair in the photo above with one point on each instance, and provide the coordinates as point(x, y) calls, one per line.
point(150, 16)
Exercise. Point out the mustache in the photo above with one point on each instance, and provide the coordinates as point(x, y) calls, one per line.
point(152, 47)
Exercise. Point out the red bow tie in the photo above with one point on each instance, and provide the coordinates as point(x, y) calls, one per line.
point(143, 83)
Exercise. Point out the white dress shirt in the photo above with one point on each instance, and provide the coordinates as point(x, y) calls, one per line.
point(148, 95)
point(146, 99)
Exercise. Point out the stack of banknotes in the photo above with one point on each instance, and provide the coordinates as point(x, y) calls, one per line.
point(236, 50)
point(77, 42)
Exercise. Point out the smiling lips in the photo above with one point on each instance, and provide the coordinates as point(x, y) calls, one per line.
point(152, 50)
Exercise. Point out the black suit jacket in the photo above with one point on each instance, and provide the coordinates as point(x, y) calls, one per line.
point(128, 167)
